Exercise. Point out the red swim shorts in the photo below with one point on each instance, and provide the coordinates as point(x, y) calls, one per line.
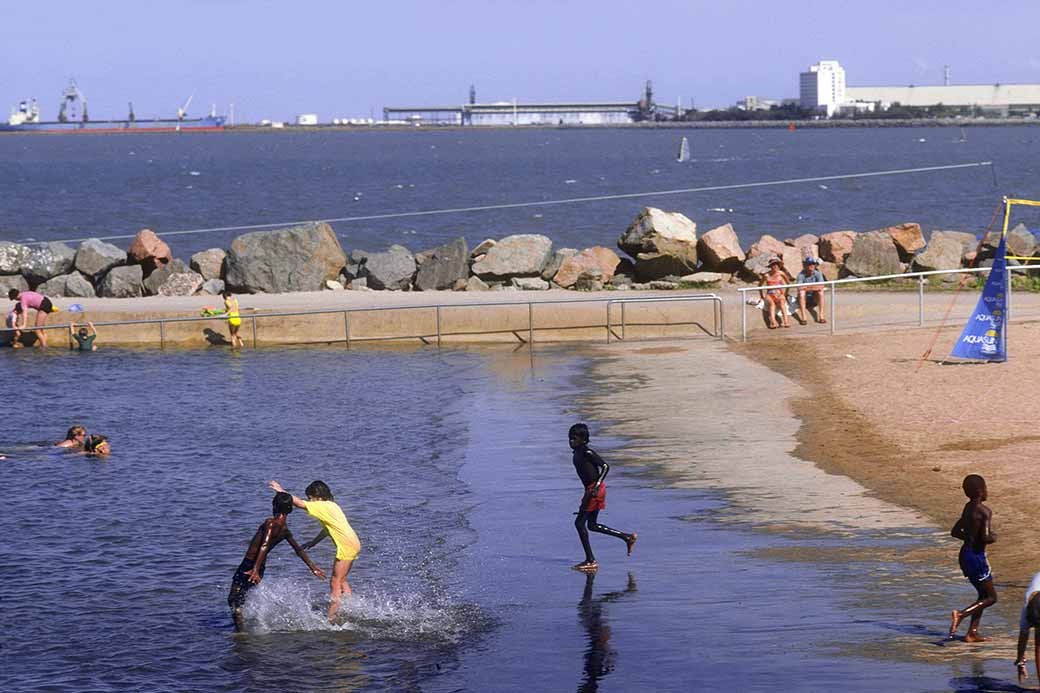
point(598, 501)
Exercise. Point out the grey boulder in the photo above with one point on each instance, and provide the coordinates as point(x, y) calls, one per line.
point(873, 254)
point(941, 253)
point(12, 257)
point(72, 285)
point(443, 266)
point(520, 255)
point(122, 282)
point(554, 264)
point(656, 232)
point(299, 258)
point(12, 281)
point(390, 270)
point(95, 257)
point(159, 276)
point(180, 283)
point(212, 287)
point(47, 261)
point(530, 283)
point(209, 263)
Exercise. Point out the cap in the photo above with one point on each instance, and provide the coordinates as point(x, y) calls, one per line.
point(810, 261)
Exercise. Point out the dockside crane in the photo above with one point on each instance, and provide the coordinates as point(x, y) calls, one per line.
point(183, 110)
point(69, 98)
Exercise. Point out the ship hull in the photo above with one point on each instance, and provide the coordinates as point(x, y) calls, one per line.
point(101, 126)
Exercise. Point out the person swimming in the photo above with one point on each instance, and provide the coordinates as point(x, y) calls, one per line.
point(97, 446)
point(75, 437)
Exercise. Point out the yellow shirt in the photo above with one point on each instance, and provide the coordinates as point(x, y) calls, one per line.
point(348, 546)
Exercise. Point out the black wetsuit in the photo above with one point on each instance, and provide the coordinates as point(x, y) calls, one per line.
point(591, 470)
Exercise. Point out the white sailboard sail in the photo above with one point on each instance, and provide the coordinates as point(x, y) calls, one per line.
point(684, 150)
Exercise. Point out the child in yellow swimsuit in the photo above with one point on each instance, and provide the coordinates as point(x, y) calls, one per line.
point(234, 322)
point(320, 505)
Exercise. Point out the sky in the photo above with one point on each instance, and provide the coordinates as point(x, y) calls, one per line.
point(350, 58)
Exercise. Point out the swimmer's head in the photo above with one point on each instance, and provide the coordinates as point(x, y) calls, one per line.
point(1033, 611)
point(83, 332)
point(974, 487)
point(578, 435)
point(282, 503)
point(76, 433)
point(318, 490)
point(97, 445)
point(13, 294)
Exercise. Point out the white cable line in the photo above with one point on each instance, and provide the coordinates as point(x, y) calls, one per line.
point(543, 203)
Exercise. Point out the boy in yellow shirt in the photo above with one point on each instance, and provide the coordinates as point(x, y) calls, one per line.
point(320, 505)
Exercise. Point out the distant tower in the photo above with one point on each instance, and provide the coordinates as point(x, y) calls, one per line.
point(472, 95)
point(649, 96)
point(946, 75)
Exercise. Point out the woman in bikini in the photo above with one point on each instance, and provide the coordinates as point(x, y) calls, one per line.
point(775, 298)
point(233, 320)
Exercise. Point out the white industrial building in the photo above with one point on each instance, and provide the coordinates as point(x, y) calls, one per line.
point(1003, 97)
point(822, 87)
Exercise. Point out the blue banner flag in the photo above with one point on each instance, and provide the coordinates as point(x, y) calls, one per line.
point(983, 336)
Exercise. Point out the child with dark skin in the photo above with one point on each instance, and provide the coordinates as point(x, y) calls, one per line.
point(592, 471)
point(974, 529)
point(251, 569)
point(1029, 620)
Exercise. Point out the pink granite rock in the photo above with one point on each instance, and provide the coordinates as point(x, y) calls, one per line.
point(148, 251)
point(836, 245)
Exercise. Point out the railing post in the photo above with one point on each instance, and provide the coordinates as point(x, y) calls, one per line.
point(438, 327)
point(722, 318)
point(743, 316)
point(622, 322)
point(162, 334)
point(834, 300)
point(920, 301)
point(346, 325)
point(530, 325)
point(254, 331)
point(608, 321)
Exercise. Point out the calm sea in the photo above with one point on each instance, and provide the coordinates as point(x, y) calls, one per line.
point(64, 187)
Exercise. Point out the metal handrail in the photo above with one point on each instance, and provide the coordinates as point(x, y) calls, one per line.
point(437, 307)
point(833, 284)
point(718, 328)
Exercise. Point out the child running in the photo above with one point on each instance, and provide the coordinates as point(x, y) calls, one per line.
point(251, 570)
point(320, 505)
point(1030, 618)
point(592, 471)
point(973, 528)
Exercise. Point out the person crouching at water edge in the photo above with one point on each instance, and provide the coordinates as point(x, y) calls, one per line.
point(592, 471)
point(974, 529)
point(1030, 618)
point(38, 302)
point(233, 320)
point(251, 570)
point(320, 505)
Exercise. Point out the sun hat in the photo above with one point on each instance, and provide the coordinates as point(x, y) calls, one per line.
point(774, 260)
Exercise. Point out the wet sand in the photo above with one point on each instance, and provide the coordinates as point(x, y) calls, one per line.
point(911, 435)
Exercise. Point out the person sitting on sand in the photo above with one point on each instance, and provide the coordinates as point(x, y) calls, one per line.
point(38, 302)
point(775, 299)
point(97, 446)
point(1030, 618)
point(592, 470)
point(75, 438)
point(15, 321)
point(974, 529)
point(810, 298)
point(251, 570)
point(84, 339)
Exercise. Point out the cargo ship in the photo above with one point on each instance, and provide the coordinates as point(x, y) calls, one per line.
point(73, 117)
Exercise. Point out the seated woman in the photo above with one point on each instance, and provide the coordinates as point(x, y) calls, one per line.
point(74, 438)
point(775, 299)
point(97, 446)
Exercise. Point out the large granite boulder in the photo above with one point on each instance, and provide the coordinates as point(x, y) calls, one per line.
point(654, 266)
point(208, 263)
point(122, 282)
point(719, 250)
point(969, 243)
point(804, 240)
point(299, 258)
point(520, 255)
point(443, 266)
point(180, 284)
point(908, 239)
point(767, 244)
point(390, 270)
point(482, 247)
point(1020, 241)
point(941, 253)
point(655, 232)
point(873, 254)
point(95, 257)
point(12, 257)
point(212, 287)
point(12, 281)
point(47, 261)
point(604, 260)
point(148, 251)
point(529, 283)
point(73, 284)
point(755, 266)
point(835, 246)
point(553, 266)
point(157, 278)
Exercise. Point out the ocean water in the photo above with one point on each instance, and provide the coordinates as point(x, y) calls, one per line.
point(453, 468)
point(74, 187)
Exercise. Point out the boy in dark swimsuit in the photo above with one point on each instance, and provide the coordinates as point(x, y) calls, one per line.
point(251, 570)
point(592, 471)
point(973, 528)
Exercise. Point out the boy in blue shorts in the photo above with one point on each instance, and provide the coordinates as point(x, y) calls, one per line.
point(973, 528)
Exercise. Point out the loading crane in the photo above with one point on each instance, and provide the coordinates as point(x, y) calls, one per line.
point(69, 98)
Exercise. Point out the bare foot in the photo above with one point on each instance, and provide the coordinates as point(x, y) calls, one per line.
point(630, 542)
point(586, 567)
point(955, 621)
point(973, 636)
point(822, 321)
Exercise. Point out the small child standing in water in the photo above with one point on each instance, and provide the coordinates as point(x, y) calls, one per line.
point(973, 528)
point(84, 339)
point(320, 505)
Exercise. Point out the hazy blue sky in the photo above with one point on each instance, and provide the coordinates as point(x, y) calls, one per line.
point(350, 58)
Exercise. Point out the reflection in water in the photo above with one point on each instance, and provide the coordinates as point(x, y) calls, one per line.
point(599, 658)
